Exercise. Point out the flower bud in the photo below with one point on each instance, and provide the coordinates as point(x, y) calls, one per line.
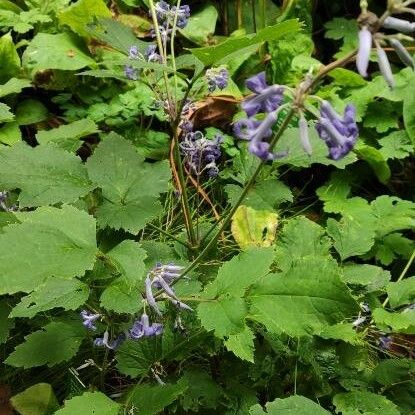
point(363, 55)
point(403, 54)
point(384, 66)
point(400, 25)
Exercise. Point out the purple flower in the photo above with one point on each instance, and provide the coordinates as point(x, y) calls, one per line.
point(183, 13)
point(339, 134)
point(385, 342)
point(166, 15)
point(384, 66)
point(399, 24)
point(217, 79)
point(363, 54)
point(133, 52)
point(130, 73)
point(112, 345)
point(200, 153)
point(265, 99)
point(244, 129)
point(403, 54)
point(143, 328)
point(89, 319)
point(151, 55)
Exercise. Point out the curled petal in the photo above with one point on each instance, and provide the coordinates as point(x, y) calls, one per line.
point(399, 24)
point(384, 66)
point(257, 83)
point(305, 140)
point(166, 287)
point(403, 54)
point(363, 55)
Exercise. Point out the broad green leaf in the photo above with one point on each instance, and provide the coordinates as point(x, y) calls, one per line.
point(373, 278)
point(67, 136)
point(31, 111)
point(90, 403)
point(294, 405)
point(365, 403)
point(396, 145)
point(376, 161)
point(62, 51)
point(408, 111)
point(39, 399)
point(403, 322)
point(402, 292)
point(123, 294)
point(55, 343)
point(253, 228)
point(54, 292)
point(231, 47)
point(5, 114)
point(44, 174)
point(6, 323)
point(24, 21)
point(201, 25)
point(151, 400)
point(78, 15)
point(49, 242)
point(351, 237)
point(391, 371)
point(242, 344)
point(292, 247)
point(14, 86)
point(346, 77)
point(341, 331)
point(392, 246)
point(10, 133)
point(382, 116)
point(130, 187)
point(303, 300)
point(10, 61)
point(343, 29)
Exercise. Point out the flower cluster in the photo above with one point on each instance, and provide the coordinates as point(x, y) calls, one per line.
point(161, 277)
point(200, 153)
point(367, 38)
point(150, 55)
point(185, 124)
point(339, 133)
point(89, 319)
point(166, 14)
point(265, 99)
point(217, 78)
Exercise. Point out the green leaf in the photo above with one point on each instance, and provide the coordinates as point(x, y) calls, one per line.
point(341, 331)
point(78, 15)
point(343, 29)
point(121, 295)
point(44, 174)
point(376, 161)
point(231, 47)
point(242, 344)
point(130, 186)
point(5, 114)
point(151, 400)
point(403, 322)
point(346, 77)
point(365, 403)
point(294, 405)
point(57, 342)
point(55, 292)
point(65, 246)
point(373, 278)
point(303, 300)
point(396, 145)
point(10, 133)
point(31, 111)
point(402, 292)
point(39, 399)
point(253, 228)
point(62, 51)
point(14, 86)
point(408, 113)
point(90, 403)
point(9, 58)
point(6, 323)
point(201, 25)
point(67, 136)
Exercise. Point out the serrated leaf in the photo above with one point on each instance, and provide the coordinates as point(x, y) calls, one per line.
point(151, 400)
point(49, 242)
point(294, 405)
point(373, 278)
point(78, 15)
point(341, 331)
point(31, 111)
point(303, 300)
point(402, 292)
point(67, 136)
point(376, 161)
point(39, 399)
point(227, 50)
point(90, 403)
point(365, 403)
point(9, 58)
point(5, 114)
point(57, 342)
point(130, 186)
point(62, 51)
point(10, 133)
point(253, 228)
point(408, 113)
point(403, 322)
point(6, 323)
point(55, 292)
point(14, 86)
point(396, 145)
point(242, 344)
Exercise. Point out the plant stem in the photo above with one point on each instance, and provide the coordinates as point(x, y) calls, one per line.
point(184, 243)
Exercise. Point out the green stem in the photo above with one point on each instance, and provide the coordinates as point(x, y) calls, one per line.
point(169, 235)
